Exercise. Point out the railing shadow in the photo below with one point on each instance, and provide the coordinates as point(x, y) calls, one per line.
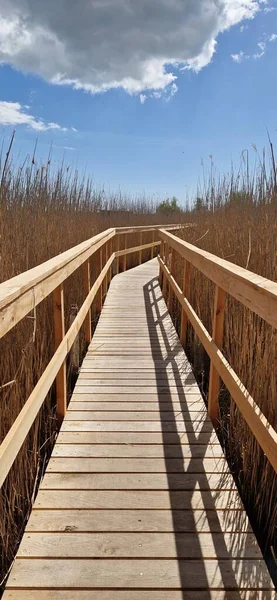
point(170, 368)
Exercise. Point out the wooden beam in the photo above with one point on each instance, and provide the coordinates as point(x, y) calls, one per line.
point(218, 325)
point(173, 273)
point(59, 331)
point(19, 430)
point(117, 255)
point(153, 242)
point(87, 286)
point(135, 249)
point(252, 290)
point(99, 297)
point(257, 422)
point(140, 250)
point(125, 255)
point(19, 295)
point(184, 319)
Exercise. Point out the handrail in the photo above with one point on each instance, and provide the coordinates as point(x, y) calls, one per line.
point(254, 292)
point(21, 294)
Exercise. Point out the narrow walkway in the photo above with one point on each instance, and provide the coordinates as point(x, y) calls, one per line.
point(137, 502)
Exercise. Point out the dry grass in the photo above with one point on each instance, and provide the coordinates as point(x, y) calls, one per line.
point(42, 215)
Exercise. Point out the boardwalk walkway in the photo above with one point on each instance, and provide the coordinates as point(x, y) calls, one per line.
point(137, 502)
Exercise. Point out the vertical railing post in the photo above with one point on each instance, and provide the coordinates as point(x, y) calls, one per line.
point(161, 275)
point(117, 246)
point(184, 319)
point(125, 256)
point(87, 287)
point(105, 261)
point(218, 326)
point(173, 273)
point(140, 252)
point(110, 244)
point(59, 331)
point(166, 251)
point(99, 299)
point(153, 240)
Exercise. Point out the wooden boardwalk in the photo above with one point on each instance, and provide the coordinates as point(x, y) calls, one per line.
point(137, 502)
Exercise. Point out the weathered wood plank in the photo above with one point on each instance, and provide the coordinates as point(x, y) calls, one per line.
point(167, 574)
point(136, 499)
point(46, 594)
point(137, 451)
point(139, 545)
point(136, 465)
point(192, 521)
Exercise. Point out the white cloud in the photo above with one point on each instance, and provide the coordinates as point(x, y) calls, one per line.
point(243, 28)
point(12, 113)
point(97, 45)
point(273, 37)
point(142, 98)
point(238, 58)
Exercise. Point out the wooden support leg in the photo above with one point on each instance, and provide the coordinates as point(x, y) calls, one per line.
point(184, 319)
point(125, 256)
point(166, 251)
point(99, 298)
point(140, 252)
point(117, 259)
point(105, 261)
point(218, 326)
point(59, 329)
point(161, 276)
point(87, 286)
point(173, 273)
point(110, 245)
point(153, 240)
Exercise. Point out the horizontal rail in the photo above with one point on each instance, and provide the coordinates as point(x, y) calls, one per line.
point(149, 228)
point(17, 434)
point(253, 291)
point(21, 294)
point(136, 249)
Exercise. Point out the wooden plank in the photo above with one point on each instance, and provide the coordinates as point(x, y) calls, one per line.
point(121, 415)
point(136, 465)
point(200, 521)
point(133, 426)
point(136, 481)
point(139, 545)
point(126, 450)
point(140, 437)
point(46, 594)
point(193, 408)
point(190, 400)
point(167, 574)
point(137, 499)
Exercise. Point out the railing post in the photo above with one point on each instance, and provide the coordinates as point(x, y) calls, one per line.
point(140, 252)
point(110, 245)
point(173, 273)
point(125, 256)
point(87, 322)
point(218, 325)
point(99, 299)
point(153, 240)
point(117, 245)
point(59, 330)
point(105, 261)
point(161, 275)
point(184, 319)
point(166, 251)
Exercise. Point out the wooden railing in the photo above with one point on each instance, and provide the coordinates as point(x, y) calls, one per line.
point(253, 291)
point(21, 295)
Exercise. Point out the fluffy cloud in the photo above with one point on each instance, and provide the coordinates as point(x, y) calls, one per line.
point(12, 113)
point(97, 45)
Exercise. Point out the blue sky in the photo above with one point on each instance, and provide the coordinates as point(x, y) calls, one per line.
point(142, 143)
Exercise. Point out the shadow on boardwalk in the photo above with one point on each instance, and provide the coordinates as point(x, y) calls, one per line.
point(234, 572)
